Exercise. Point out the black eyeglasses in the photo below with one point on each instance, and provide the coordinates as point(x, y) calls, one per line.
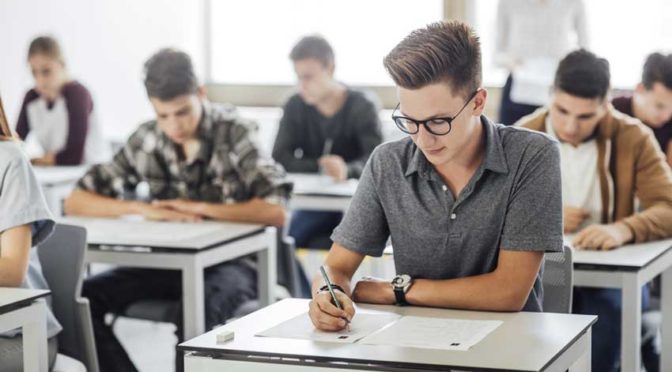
point(439, 126)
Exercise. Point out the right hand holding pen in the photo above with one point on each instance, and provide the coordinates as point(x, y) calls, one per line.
point(326, 316)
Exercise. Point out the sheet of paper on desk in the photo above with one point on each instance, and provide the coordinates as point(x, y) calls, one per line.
point(301, 327)
point(433, 333)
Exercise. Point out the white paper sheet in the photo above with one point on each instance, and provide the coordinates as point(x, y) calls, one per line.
point(313, 184)
point(302, 328)
point(433, 333)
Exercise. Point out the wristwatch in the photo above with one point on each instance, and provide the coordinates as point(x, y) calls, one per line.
point(400, 285)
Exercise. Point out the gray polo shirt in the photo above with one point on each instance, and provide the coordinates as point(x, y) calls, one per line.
point(512, 202)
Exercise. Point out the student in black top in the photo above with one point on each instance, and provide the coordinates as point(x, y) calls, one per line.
point(325, 126)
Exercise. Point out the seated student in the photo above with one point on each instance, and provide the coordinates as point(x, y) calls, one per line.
point(326, 125)
point(608, 160)
point(25, 221)
point(461, 198)
point(652, 100)
point(200, 163)
point(58, 115)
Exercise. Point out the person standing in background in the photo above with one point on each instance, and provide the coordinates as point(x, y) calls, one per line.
point(57, 118)
point(651, 102)
point(325, 125)
point(532, 36)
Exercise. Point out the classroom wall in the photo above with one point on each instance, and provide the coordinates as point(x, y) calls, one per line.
point(105, 44)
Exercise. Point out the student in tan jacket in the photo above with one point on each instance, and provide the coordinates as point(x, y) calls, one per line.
point(616, 185)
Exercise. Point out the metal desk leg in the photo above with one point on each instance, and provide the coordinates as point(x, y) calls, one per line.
point(666, 309)
point(631, 323)
point(193, 298)
point(266, 278)
point(35, 337)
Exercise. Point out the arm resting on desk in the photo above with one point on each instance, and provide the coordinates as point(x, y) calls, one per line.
point(504, 289)
point(14, 255)
point(252, 211)
point(86, 203)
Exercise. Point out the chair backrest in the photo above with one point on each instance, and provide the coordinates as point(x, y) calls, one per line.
point(558, 281)
point(62, 260)
point(290, 274)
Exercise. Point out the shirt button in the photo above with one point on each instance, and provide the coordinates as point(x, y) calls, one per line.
point(445, 188)
point(453, 216)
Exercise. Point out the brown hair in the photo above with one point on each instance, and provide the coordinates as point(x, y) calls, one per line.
point(657, 69)
point(313, 46)
point(5, 132)
point(45, 45)
point(447, 52)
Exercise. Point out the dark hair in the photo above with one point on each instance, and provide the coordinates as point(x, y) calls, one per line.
point(583, 74)
point(657, 69)
point(168, 74)
point(45, 45)
point(441, 52)
point(313, 46)
point(5, 132)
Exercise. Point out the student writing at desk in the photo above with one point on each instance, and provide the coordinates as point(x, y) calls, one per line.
point(58, 114)
point(25, 222)
point(200, 162)
point(325, 125)
point(470, 206)
point(608, 161)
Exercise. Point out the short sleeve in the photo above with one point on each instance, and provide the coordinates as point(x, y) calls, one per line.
point(21, 199)
point(533, 220)
point(364, 228)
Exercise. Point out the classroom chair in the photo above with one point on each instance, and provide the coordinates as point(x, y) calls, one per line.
point(558, 281)
point(62, 260)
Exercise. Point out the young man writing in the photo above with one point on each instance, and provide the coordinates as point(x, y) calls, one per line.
point(470, 206)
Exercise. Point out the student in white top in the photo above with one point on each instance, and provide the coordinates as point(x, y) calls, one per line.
point(57, 118)
point(531, 37)
point(25, 222)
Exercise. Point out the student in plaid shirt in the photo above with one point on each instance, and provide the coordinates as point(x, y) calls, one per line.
point(199, 162)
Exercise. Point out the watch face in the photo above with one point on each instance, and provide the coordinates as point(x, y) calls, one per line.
point(401, 281)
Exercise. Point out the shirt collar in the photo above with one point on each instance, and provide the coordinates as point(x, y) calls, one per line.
point(495, 159)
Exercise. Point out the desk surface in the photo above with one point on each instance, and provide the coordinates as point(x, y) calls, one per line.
point(48, 176)
point(12, 297)
point(320, 185)
point(136, 232)
point(525, 341)
point(628, 257)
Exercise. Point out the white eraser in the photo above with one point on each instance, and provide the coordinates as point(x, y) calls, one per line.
point(225, 336)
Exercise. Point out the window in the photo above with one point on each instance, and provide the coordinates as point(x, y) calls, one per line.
point(250, 40)
point(624, 32)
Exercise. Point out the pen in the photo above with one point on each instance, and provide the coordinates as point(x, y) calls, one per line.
point(333, 294)
point(328, 144)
